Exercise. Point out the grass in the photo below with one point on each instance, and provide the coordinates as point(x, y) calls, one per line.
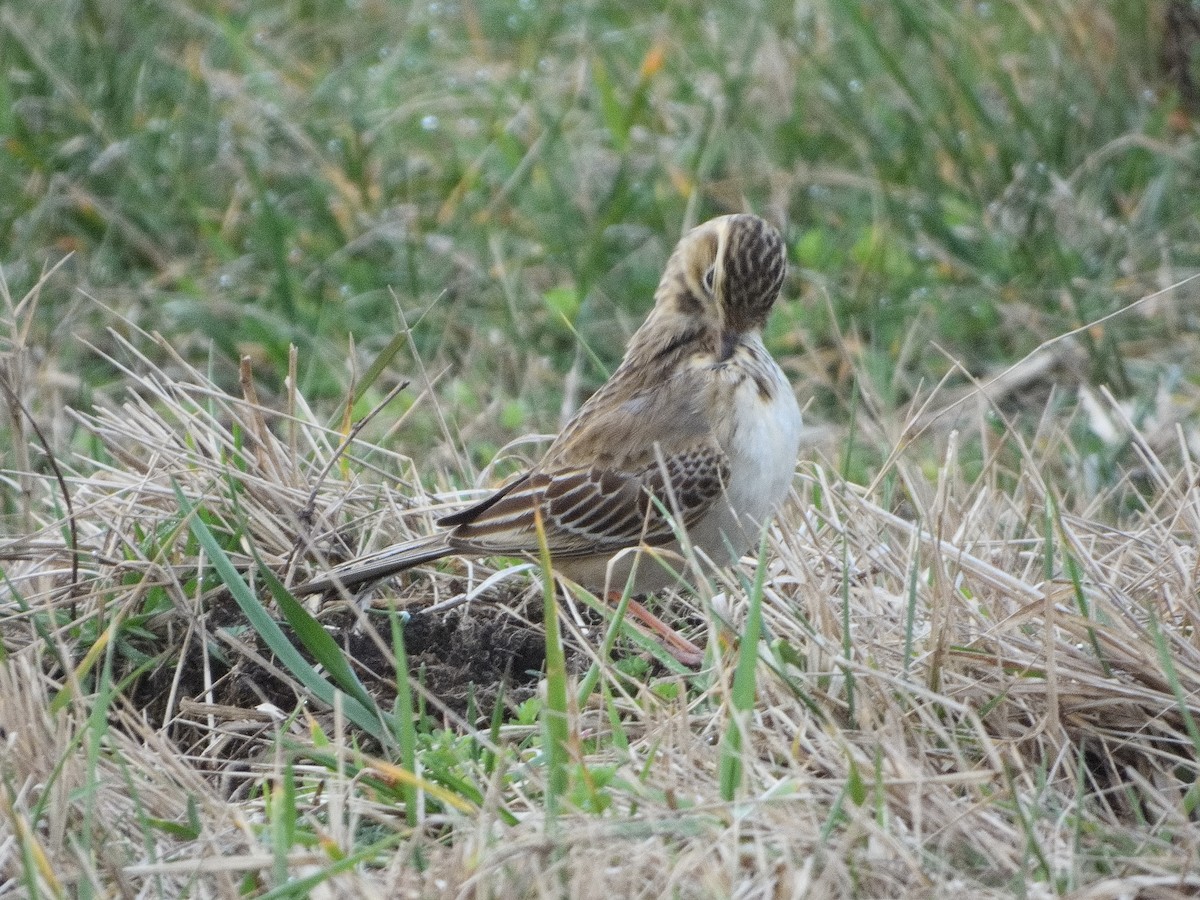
point(982, 178)
point(1016, 716)
point(237, 240)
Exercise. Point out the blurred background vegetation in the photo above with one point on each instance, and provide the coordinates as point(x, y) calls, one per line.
point(955, 180)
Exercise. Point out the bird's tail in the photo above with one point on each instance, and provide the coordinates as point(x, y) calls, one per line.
point(388, 561)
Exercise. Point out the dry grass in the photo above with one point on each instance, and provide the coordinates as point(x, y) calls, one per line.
point(978, 684)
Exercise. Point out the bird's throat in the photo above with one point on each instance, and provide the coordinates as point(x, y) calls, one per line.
point(729, 342)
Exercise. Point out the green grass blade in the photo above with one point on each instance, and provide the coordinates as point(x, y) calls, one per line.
point(269, 630)
point(745, 687)
point(317, 641)
point(405, 726)
point(555, 716)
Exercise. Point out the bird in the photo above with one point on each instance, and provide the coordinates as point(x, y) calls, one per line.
point(698, 430)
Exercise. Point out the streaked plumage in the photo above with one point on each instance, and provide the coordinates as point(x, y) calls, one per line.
point(698, 417)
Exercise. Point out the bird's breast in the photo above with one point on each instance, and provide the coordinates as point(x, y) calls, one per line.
point(758, 427)
point(763, 441)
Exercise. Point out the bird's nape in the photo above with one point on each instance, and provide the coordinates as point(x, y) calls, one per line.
point(753, 264)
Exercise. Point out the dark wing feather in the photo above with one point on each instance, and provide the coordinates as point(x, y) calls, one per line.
point(472, 512)
point(595, 510)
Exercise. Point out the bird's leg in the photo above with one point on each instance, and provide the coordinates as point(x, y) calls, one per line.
point(674, 643)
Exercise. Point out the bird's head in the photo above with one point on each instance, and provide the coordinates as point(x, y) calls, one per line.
point(728, 270)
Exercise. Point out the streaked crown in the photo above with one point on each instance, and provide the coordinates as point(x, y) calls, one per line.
point(730, 268)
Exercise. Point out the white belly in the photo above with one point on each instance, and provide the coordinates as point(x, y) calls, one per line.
point(763, 442)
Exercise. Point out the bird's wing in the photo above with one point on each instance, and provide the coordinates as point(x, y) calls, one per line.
point(638, 446)
point(596, 509)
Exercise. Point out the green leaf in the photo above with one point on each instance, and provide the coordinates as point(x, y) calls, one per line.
point(855, 786)
point(317, 640)
point(565, 301)
point(268, 629)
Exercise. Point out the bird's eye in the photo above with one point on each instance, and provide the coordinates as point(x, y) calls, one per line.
point(709, 278)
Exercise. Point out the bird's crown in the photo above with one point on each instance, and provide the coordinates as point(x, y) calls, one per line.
point(730, 268)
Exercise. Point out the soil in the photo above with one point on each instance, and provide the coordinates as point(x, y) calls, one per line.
point(476, 651)
point(465, 659)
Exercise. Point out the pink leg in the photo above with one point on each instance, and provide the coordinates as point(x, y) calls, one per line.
point(675, 643)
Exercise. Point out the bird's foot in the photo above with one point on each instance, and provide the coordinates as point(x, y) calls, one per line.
point(683, 650)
